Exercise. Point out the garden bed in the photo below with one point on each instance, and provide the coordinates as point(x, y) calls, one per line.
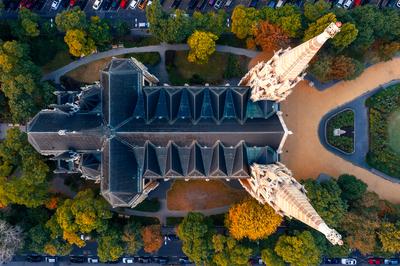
point(384, 127)
point(344, 121)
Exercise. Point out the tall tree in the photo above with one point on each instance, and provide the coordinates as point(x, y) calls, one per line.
point(289, 19)
point(178, 27)
point(389, 236)
point(252, 220)
point(228, 252)
point(318, 26)
point(270, 37)
point(132, 238)
point(152, 238)
point(352, 188)
point(348, 33)
point(313, 11)
point(270, 257)
point(298, 250)
point(196, 233)
point(110, 246)
point(11, 240)
point(71, 19)
point(157, 18)
point(202, 45)
point(79, 43)
point(210, 22)
point(99, 32)
point(243, 21)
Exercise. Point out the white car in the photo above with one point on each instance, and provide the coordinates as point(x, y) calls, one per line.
point(97, 4)
point(340, 3)
point(349, 261)
point(128, 260)
point(93, 260)
point(348, 4)
point(218, 4)
point(398, 4)
point(280, 3)
point(50, 259)
point(55, 4)
point(133, 4)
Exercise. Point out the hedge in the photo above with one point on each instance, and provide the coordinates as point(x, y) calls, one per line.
point(341, 120)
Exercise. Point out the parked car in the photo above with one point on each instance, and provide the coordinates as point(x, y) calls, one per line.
point(123, 4)
point(340, 3)
point(398, 4)
point(55, 4)
point(144, 259)
point(218, 4)
point(34, 258)
point(27, 4)
point(77, 259)
point(271, 4)
point(50, 259)
point(348, 261)
point(114, 4)
point(253, 3)
point(128, 260)
point(192, 4)
point(144, 24)
point(332, 261)
point(107, 4)
point(184, 260)
point(97, 4)
point(348, 4)
point(376, 261)
point(280, 3)
point(133, 4)
point(211, 2)
point(202, 4)
point(228, 3)
point(92, 260)
point(72, 3)
point(160, 260)
point(391, 261)
point(176, 3)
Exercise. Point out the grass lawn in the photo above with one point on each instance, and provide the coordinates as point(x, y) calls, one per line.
point(200, 195)
point(61, 59)
point(89, 73)
point(394, 131)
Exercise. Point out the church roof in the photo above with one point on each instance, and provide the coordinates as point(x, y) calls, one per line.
point(159, 131)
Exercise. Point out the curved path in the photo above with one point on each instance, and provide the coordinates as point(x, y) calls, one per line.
point(161, 49)
point(306, 106)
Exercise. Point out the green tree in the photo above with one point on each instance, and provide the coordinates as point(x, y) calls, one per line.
point(270, 257)
point(57, 247)
point(289, 19)
point(389, 236)
point(202, 45)
point(348, 33)
point(79, 43)
point(313, 11)
point(352, 188)
point(37, 238)
point(318, 26)
point(228, 252)
point(196, 233)
point(132, 238)
point(110, 247)
point(210, 22)
point(177, 28)
point(71, 19)
point(298, 250)
point(252, 220)
point(321, 67)
point(157, 18)
point(27, 25)
point(243, 21)
point(99, 32)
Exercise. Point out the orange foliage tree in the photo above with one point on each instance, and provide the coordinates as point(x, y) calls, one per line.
point(270, 36)
point(152, 239)
point(252, 220)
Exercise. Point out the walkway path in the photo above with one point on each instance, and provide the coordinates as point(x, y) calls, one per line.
point(164, 212)
point(161, 49)
point(304, 109)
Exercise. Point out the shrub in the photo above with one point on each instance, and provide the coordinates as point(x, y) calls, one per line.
point(341, 120)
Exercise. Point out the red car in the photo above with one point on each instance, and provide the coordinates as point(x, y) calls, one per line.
point(376, 261)
point(123, 4)
point(72, 2)
point(27, 4)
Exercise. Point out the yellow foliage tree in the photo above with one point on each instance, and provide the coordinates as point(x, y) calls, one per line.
point(152, 239)
point(252, 220)
point(79, 43)
point(202, 45)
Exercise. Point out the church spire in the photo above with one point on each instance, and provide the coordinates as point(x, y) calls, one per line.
point(273, 80)
point(274, 184)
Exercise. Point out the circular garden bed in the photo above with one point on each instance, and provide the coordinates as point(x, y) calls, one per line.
point(384, 131)
point(340, 131)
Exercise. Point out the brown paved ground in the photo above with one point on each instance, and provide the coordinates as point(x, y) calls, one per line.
point(200, 195)
point(89, 73)
point(305, 107)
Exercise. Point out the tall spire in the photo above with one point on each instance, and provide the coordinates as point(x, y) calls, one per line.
point(275, 185)
point(273, 80)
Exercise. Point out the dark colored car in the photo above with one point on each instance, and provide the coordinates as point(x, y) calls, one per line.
point(176, 3)
point(12, 5)
point(172, 237)
point(114, 4)
point(160, 260)
point(211, 2)
point(144, 259)
point(332, 261)
point(184, 260)
point(193, 4)
point(34, 258)
point(106, 4)
point(202, 4)
point(253, 3)
point(77, 259)
point(376, 261)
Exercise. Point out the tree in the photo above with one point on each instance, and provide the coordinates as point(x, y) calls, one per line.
point(348, 33)
point(11, 240)
point(252, 220)
point(228, 252)
point(132, 238)
point(289, 19)
point(27, 25)
point(57, 247)
point(99, 32)
point(71, 19)
point(389, 235)
point(196, 233)
point(386, 50)
point(202, 45)
point(83, 214)
point(270, 258)
point(210, 22)
point(313, 11)
point(110, 246)
point(157, 19)
point(243, 21)
point(298, 250)
point(318, 26)
point(177, 28)
point(352, 188)
point(342, 67)
point(152, 239)
point(270, 37)
point(37, 238)
point(79, 43)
